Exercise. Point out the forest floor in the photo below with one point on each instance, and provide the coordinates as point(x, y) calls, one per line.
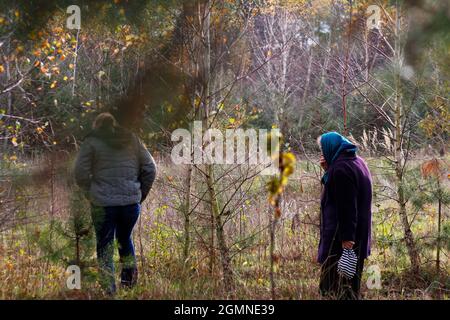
point(34, 255)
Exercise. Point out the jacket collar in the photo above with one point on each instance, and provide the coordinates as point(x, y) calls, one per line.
point(345, 156)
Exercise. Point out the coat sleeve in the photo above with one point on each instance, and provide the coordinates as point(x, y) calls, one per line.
point(147, 170)
point(345, 191)
point(83, 166)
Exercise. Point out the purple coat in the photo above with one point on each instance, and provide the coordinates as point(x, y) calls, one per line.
point(346, 207)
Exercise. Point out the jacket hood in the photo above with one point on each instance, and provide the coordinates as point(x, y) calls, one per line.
point(116, 137)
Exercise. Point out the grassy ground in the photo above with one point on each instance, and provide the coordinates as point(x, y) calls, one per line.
point(34, 255)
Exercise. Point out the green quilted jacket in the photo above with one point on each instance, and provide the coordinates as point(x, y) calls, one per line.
point(114, 168)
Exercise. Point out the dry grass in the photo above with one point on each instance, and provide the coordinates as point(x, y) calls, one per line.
point(28, 271)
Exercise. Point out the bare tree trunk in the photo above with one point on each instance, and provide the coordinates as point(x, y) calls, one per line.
point(141, 249)
point(187, 213)
point(272, 223)
point(78, 249)
point(409, 237)
point(204, 88)
point(399, 136)
point(221, 242)
point(438, 241)
point(9, 106)
point(345, 71)
point(75, 62)
point(273, 220)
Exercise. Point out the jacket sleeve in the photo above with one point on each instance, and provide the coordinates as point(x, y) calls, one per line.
point(83, 166)
point(346, 193)
point(147, 170)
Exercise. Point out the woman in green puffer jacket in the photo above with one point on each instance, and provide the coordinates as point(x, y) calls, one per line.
point(116, 171)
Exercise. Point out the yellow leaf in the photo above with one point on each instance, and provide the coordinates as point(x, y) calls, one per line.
point(53, 84)
point(197, 102)
point(288, 171)
point(288, 159)
point(2, 69)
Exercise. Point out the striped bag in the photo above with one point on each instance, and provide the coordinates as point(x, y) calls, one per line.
point(347, 263)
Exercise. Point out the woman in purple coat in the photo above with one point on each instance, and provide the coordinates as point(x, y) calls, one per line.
point(345, 215)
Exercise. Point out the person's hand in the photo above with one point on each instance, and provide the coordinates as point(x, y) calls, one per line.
point(347, 244)
point(323, 163)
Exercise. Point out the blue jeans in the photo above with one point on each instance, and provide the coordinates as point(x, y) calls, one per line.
point(110, 223)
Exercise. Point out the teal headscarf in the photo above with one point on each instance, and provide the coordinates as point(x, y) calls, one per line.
point(333, 144)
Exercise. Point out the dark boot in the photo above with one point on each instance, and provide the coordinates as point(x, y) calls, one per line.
point(128, 277)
